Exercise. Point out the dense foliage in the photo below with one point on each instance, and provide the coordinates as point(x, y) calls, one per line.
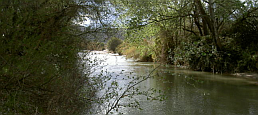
point(113, 43)
point(213, 35)
point(41, 72)
point(92, 45)
point(39, 45)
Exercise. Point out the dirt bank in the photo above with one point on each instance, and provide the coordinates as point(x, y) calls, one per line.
point(253, 76)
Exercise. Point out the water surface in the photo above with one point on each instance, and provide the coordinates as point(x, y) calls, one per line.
point(187, 92)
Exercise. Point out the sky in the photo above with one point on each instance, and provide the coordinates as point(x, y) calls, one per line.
point(85, 22)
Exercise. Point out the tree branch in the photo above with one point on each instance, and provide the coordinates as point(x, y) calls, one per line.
point(114, 105)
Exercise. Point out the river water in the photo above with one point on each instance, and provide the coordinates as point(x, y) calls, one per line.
point(186, 92)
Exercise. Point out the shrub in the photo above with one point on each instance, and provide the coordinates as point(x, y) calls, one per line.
point(93, 45)
point(38, 59)
point(201, 55)
point(113, 43)
point(244, 33)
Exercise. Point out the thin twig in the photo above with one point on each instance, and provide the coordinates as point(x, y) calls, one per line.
point(114, 105)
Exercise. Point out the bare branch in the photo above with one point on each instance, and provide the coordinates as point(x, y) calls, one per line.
point(115, 104)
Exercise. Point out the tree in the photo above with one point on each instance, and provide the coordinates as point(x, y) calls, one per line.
point(185, 24)
point(113, 43)
point(39, 71)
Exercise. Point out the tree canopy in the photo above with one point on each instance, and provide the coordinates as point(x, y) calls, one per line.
point(204, 30)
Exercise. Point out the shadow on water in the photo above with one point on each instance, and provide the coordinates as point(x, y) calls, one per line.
point(190, 92)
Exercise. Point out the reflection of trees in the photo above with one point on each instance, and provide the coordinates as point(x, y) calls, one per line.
point(203, 93)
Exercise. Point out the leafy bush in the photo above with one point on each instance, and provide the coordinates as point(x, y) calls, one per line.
point(93, 45)
point(244, 33)
point(201, 55)
point(113, 43)
point(38, 59)
point(140, 53)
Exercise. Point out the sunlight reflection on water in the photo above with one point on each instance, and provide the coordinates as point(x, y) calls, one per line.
point(188, 92)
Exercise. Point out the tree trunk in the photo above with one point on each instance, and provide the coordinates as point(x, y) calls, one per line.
point(213, 24)
point(210, 21)
point(196, 21)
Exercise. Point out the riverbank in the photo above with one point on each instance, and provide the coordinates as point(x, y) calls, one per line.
point(250, 76)
point(253, 76)
point(187, 92)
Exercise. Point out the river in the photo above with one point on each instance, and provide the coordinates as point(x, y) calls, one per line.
point(186, 92)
